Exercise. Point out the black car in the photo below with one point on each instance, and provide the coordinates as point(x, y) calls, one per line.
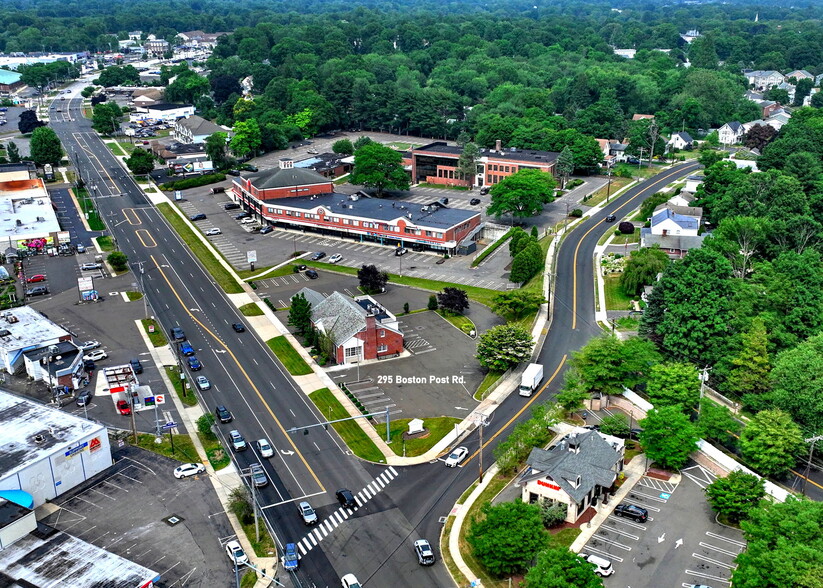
point(88, 365)
point(233, 172)
point(177, 334)
point(474, 201)
point(250, 167)
point(231, 206)
point(223, 414)
point(312, 274)
point(37, 291)
point(633, 160)
point(238, 327)
point(611, 218)
point(136, 366)
point(639, 515)
point(84, 398)
point(319, 255)
point(267, 229)
point(197, 217)
point(241, 216)
point(345, 498)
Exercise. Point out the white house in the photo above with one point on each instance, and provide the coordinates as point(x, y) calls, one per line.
point(730, 133)
point(167, 112)
point(684, 198)
point(692, 183)
point(791, 89)
point(577, 472)
point(764, 79)
point(196, 129)
point(676, 220)
point(680, 140)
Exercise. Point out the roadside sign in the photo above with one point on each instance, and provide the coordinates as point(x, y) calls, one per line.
point(251, 256)
point(178, 195)
point(170, 425)
point(160, 398)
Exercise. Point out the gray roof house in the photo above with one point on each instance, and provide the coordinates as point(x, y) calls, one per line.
point(196, 129)
point(680, 140)
point(576, 472)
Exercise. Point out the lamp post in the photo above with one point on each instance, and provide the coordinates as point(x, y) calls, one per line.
point(609, 185)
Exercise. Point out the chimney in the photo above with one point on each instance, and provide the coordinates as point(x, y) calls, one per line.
point(286, 163)
point(498, 146)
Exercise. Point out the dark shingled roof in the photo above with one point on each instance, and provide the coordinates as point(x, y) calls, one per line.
point(167, 106)
point(511, 154)
point(286, 178)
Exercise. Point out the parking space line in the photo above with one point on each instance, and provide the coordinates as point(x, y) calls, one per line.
point(615, 543)
point(619, 532)
point(611, 556)
point(649, 497)
point(715, 548)
point(614, 517)
point(727, 539)
point(708, 576)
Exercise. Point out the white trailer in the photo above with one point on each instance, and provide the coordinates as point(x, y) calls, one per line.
point(531, 379)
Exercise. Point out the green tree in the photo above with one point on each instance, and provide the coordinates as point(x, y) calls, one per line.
point(343, 147)
point(771, 442)
point(188, 87)
point(713, 139)
point(673, 383)
point(432, 305)
point(668, 437)
point(749, 375)
point(784, 546)
point(216, 149)
point(361, 141)
point(140, 162)
point(106, 117)
point(504, 346)
point(615, 424)
point(118, 260)
point(13, 152)
point(372, 280)
point(736, 495)
point(507, 537)
point(467, 163)
point(45, 147)
point(522, 194)
point(564, 166)
point(606, 364)
point(558, 567)
point(642, 269)
point(247, 138)
point(516, 304)
point(300, 313)
point(527, 263)
point(741, 240)
point(702, 52)
point(377, 166)
point(708, 157)
point(716, 421)
point(453, 300)
point(797, 383)
point(573, 392)
point(518, 240)
point(801, 90)
point(817, 100)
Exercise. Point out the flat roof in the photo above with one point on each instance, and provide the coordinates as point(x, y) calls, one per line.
point(510, 154)
point(46, 558)
point(378, 209)
point(26, 210)
point(29, 331)
point(167, 106)
point(32, 431)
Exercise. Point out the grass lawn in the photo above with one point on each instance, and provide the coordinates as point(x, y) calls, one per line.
point(115, 148)
point(157, 338)
point(619, 238)
point(600, 195)
point(444, 187)
point(251, 309)
point(288, 356)
point(249, 579)
point(132, 296)
point(183, 447)
point(105, 243)
point(126, 147)
point(87, 205)
point(627, 323)
point(616, 299)
point(351, 433)
point(224, 279)
point(438, 428)
point(218, 458)
point(463, 323)
point(187, 397)
point(263, 548)
point(490, 379)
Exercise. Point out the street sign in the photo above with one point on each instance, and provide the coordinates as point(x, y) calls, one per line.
point(178, 195)
point(160, 398)
point(251, 256)
point(170, 425)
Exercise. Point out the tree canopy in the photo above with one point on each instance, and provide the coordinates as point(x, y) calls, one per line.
point(377, 166)
point(522, 194)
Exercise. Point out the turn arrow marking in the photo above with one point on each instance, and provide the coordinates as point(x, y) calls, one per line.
point(662, 538)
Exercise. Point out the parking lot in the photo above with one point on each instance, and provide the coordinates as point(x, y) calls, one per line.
point(138, 510)
point(680, 544)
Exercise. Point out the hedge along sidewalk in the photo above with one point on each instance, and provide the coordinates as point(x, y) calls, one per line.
point(491, 248)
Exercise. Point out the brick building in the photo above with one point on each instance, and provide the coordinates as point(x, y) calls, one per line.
point(436, 163)
point(360, 329)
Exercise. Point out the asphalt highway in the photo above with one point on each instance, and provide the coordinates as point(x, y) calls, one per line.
point(399, 504)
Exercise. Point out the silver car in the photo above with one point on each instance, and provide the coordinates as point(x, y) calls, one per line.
point(307, 512)
point(258, 475)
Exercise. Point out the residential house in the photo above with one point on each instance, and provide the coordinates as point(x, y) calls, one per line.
point(360, 329)
point(730, 133)
point(196, 129)
point(799, 74)
point(135, 35)
point(605, 148)
point(775, 121)
point(627, 53)
point(674, 229)
point(681, 140)
point(693, 182)
point(818, 79)
point(790, 90)
point(684, 198)
point(690, 35)
point(618, 151)
point(767, 107)
point(764, 79)
point(579, 472)
point(807, 101)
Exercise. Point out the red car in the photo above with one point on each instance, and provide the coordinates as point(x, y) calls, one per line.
point(36, 278)
point(123, 407)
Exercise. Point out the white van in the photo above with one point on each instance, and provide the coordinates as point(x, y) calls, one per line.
point(603, 567)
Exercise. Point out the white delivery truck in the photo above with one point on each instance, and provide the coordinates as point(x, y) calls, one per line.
point(531, 379)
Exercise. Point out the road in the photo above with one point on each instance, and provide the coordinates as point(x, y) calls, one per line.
point(399, 504)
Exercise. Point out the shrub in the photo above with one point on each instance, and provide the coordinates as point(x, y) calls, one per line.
point(576, 213)
point(574, 183)
point(553, 514)
point(205, 424)
point(118, 261)
point(626, 228)
point(240, 505)
point(433, 304)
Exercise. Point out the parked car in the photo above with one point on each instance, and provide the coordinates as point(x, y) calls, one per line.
point(213, 232)
point(91, 266)
point(602, 566)
point(80, 248)
point(236, 553)
point(89, 345)
point(223, 414)
point(185, 348)
point(258, 475)
point(250, 167)
point(266, 230)
point(238, 443)
point(248, 220)
point(638, 514)
point(485, 190)
point(218, 189)
point(84, 398)
point(456, 457)
point(189, 469)
point(233, 172)
point(241, 216)
point(197, 217)
point(318, 256)
point(88, 365)
point(307, 513)
point(95, 355)
point(203, 383)
point(36, 278)
point(425, 555)
point(474, 201)
point(123, 407)
point(238, 327)
point(136, 366)
point(194, 363)
point(177, 334)
point(231, 206)
point(312, 274)
point(345, 498)
point(290, 559)
point(265, 448)
point(400, 251)
point(37, 291)
point(350, 581)
point(335, 258)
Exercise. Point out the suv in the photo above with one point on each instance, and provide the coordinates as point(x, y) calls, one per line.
point(307, 512)
point(177, 334)
point(639, 515)
point(223, 414)
point(186, 348)
point(37, 291)
point(231, 206)
point(345, 498)
point(136, 366)
point(237, 441)
point(425, 555)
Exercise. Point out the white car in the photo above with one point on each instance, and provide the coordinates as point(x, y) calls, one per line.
point(335, 258)
point(248, 221)
point(95, 355)
point(236, 553)
point(456, 457)
point(189, 469)
point(212, 232)
point(89, 345)
point(265, 448)
point(203, 383)
point(350, 581)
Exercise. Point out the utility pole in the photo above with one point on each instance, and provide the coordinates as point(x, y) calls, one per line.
point(640, 161)
point(482, 424)
point(609, 185)
point(811, 440)
point(704, 377)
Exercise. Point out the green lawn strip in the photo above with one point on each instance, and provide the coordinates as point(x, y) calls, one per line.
point(126, 147)
point(445, 553)
point(438, 427)
point(263, 548)
point(218, 458)
point(599, 196)
point(261, 273)
point(132, 296)
point(251, 309)
point(87, 206)
point(249, 579)
point(183, 447)
point(616, 299)
point(288, 356)
point(115, 148)
point(620, 238)
point(350, 432)
point(488, 381)
point(221, 275)
point(460, 321)
point(491, 248)
point(157, 338)
point(443, 187)
point(627, 323)
point(105, 243)
point(187, 397)
point(564, 537)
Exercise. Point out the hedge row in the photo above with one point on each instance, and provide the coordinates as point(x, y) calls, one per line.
point(491, 248)
point(203, 180)
point(354, 399)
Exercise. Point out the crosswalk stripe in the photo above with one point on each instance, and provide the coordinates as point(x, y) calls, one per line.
point(328, 525)
point(365, 492)
point(358, 500)
point(313, 540)
point(319, 532)
point(337, 518)
point(373, 487)
point(379, 481)
point(303, 550)
point(393, 471)
point(343, 513)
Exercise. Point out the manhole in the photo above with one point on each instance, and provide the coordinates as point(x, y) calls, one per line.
point(172, 520)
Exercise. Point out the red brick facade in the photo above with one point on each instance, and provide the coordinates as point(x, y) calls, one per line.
point(377, 341)
point(289, 191)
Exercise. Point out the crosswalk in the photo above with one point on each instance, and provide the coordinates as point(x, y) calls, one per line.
point(326, 527)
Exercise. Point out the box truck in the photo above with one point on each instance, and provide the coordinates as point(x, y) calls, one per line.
point(531, 379)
